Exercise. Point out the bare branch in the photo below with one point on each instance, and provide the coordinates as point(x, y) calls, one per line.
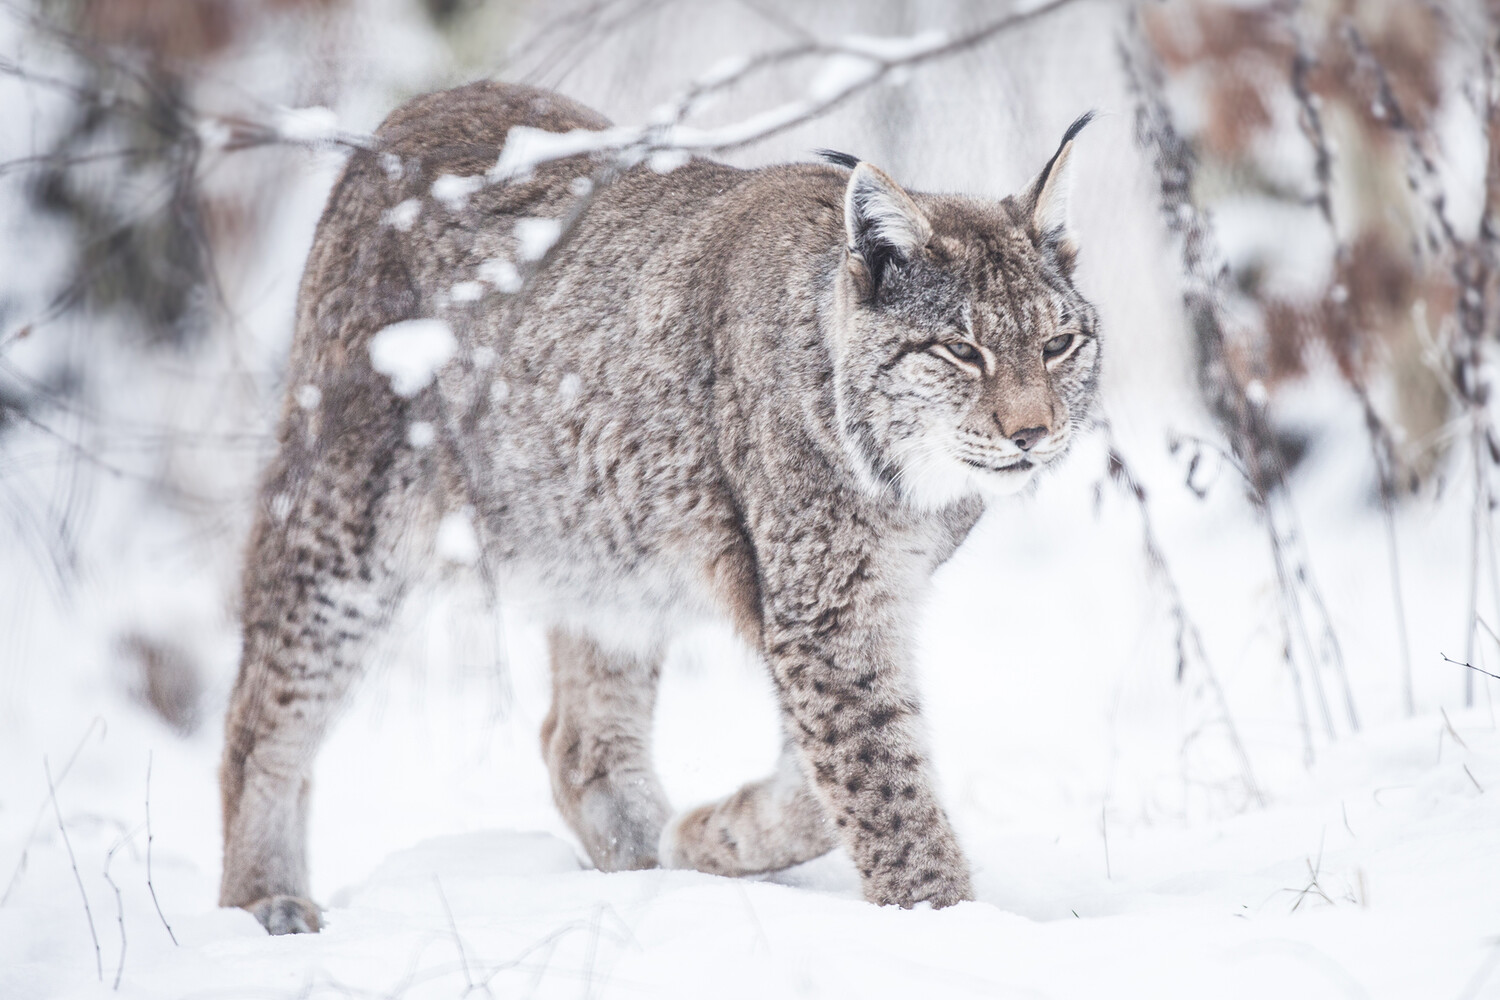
point(73, 861)
point(149, 883)
point(1239, 410)
point(96, 723)
point(1469, 666)
point(119, 902)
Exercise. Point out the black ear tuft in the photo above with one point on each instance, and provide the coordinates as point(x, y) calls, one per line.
point(1046, 199)
point(838, 159)
point(1076, 127)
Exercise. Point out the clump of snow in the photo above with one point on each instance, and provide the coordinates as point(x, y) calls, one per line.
point(664, 161)
point(315, 124)
point(664, 114)
point(456, 539)
point(894, 49)
point(526, 147)
point(723, 71)
point(402, 216)
point(502, 274)
point(409, 353)
point(840, 74)
point(421, 434)
point(454, 191)
point(580, 186)
point(534, 237)
point(391, 164)
point(466, 291)
point(309, 396)
point(484, 356)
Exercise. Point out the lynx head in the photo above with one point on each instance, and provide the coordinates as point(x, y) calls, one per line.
point(964, 358)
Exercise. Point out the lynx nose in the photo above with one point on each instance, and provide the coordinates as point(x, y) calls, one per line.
point(1027, 437)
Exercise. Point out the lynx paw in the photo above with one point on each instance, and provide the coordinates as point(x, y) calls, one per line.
point(939, 886)
point(683, 845)
point(287, 914)
point(620, 829)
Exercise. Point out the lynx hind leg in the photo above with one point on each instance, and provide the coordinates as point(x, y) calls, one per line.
point(335, 534)
point(597, 744)
point(766, 826)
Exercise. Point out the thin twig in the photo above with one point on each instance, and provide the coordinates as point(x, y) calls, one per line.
point(1104, 829)
point(88, 911)
point(119, 902)
point(1461, 663)
point(458, 942)
point(1448, 723)
point(149, 883)
point(41, 812)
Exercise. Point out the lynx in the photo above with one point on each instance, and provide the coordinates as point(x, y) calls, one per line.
point(776, 398)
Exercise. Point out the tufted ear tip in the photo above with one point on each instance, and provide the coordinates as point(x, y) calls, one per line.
point(1049, 194)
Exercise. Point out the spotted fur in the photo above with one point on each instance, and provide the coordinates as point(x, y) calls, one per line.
point(777, 398)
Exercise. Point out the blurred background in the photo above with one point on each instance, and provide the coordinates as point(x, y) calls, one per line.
point(1280, 535)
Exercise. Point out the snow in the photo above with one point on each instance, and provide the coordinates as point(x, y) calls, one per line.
point(409, 353)
point(894, 49)
point(526, 148)
point(534, 237)
point(1371, 875)
point(841, 74)
point(466, 291)
point(403, 215)
point(309, 125)
point(722, 72)
point(502, 274)
point(454, 191)
point(456, 540)
point(420, 434)
point(664, 161)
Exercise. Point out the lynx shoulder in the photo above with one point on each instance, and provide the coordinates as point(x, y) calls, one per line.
point(777, 398)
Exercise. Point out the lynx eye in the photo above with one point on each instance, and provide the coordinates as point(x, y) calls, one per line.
point(1057, 345)
point(963, 351)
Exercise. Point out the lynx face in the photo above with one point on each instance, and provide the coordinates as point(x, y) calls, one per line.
point(966, 359)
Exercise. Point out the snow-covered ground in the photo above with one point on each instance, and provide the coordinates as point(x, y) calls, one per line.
point(1115, 848)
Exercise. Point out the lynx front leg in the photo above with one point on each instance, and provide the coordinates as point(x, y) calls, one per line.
point(857, 730)
point(766, 826)
point(597, 743)
point(838, 597)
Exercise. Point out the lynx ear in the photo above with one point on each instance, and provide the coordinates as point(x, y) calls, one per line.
point(882, 224)
point(1047, 197)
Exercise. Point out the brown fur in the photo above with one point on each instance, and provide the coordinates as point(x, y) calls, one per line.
point(777, 398)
